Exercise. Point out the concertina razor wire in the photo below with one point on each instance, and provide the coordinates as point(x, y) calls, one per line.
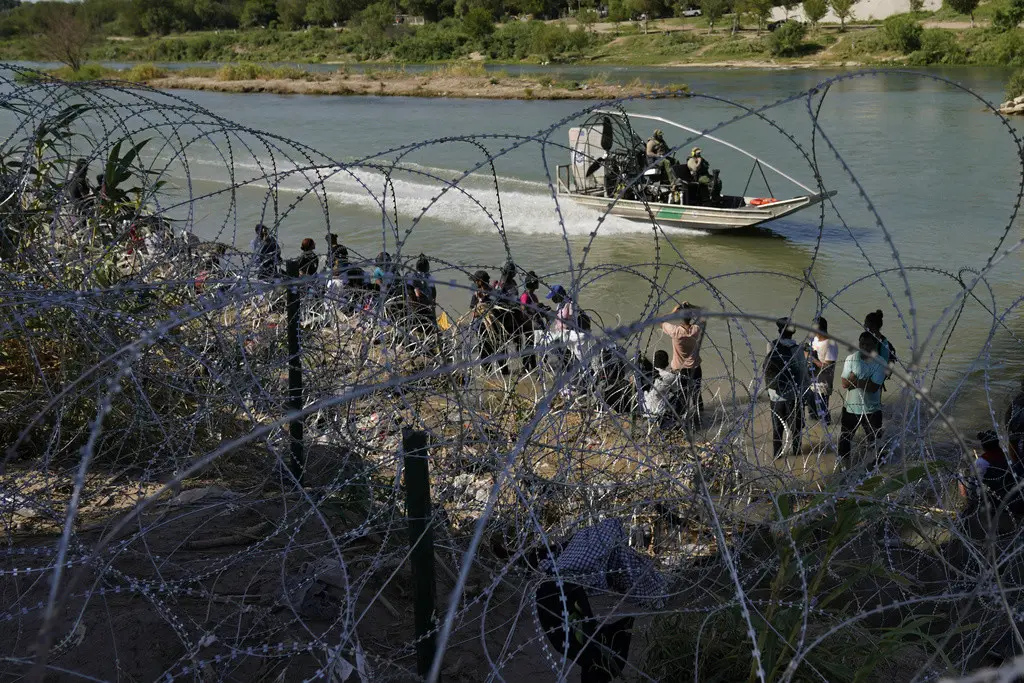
point(159, 525)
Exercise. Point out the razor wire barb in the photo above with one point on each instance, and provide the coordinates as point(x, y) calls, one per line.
point(154, 530)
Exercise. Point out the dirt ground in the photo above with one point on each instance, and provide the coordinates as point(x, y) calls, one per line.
point(413, 85)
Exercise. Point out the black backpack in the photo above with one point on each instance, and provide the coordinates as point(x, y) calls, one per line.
point(583, 320)
point(781, 371)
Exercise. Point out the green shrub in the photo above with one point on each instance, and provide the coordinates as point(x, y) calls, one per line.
point(434, 43)
point(939, 46)
point(1004, 48)
point(786, 40)
point(88, 72)
point(903, 33)
point(239, 72)
point(478, 23)
point(1015, 86)
point(141, 73)
point(518, 40)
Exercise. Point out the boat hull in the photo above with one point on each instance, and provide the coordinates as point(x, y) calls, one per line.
point(707, 218)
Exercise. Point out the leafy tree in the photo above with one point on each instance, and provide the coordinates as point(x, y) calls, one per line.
point(156, 16)
point(789, 6)
point(762, 11)
point(99, 12)
point(739, 8)
point(916, 5)
point(66, 33)
point(258, 13)
point(815, 11)
point(843, 9)
point(586, 17)
point(652, 8)
point(964, 7)
point(431, 10)
point(376, 19)
point(713, 10)
point(291, 14)
point(478, 23)
point(324, 12)
point(787, 39)
point(493, 7)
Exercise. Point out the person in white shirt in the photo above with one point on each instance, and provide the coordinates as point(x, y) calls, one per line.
point(659, 400)
point(823, 354)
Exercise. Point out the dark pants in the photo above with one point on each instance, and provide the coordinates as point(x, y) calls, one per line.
point(817, 407)
point(524, 340)
point(872, 423)
point(689, 403)
point(690, 382)
point(787, 413)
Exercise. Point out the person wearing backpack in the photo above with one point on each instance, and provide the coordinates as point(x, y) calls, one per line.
point(886, 351)
point(568, 318)
point(785, 373)
point(863, 375)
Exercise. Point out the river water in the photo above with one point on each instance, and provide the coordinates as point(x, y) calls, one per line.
point(941, 173)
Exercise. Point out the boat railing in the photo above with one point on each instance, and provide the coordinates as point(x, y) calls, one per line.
point(563, 175)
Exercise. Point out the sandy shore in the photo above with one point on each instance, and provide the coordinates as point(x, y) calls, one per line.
point(420, 85)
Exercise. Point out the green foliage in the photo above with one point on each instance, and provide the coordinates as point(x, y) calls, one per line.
point(1015, 86)
point(479, 23)
point(587, 17)
point(963, 7)
point(815, 10)
point(1003, 48)
point(903, 33)
point(323, 12)
point(787, 40)
point(761, 10)
point(518, 40)
point(258, 13)
point(434, 43)
point(713, 10)
point(938, 47)
point(718, 643)
point(87, 72)
point(1007, 19)
point(291, 14)
point(142, 73)
point(843, 9)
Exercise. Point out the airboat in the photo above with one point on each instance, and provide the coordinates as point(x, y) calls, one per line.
point(609, 171)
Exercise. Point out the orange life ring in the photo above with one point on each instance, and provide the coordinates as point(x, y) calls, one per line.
point(761, 201)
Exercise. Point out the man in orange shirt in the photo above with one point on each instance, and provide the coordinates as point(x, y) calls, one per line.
point(686, 340)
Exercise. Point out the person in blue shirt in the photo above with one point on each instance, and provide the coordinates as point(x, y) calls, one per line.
point(863, 375)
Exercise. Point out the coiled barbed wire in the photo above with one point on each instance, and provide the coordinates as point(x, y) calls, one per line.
point(156, 528)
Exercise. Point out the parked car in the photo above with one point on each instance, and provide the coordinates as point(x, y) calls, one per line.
point(772, 25)
point(694, 12)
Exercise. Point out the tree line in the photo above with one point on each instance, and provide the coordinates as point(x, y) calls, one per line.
point(161, 17)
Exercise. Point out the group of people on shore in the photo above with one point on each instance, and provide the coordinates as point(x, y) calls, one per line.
point(799, 376)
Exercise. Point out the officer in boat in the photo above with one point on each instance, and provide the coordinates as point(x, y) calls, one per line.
point(700, 171)
point(657, 156)
point(698, 165)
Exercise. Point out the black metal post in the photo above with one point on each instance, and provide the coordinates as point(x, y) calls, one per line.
point(292, 305)
point(421, 536)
